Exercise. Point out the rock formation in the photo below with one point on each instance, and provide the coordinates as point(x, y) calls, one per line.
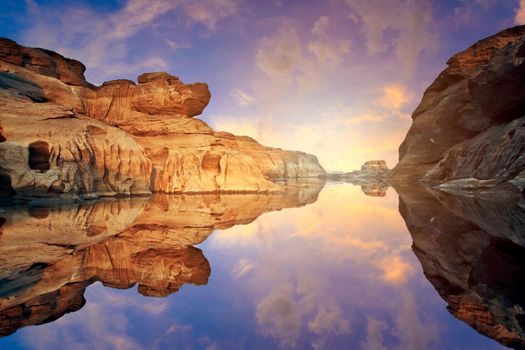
point(470, 124)
point(60, 135)
point(472, 251)
point(372, 178)
point(50, 253)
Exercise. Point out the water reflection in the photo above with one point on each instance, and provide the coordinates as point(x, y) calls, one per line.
point(473, 252)
point(335, 270)
point(49, 254)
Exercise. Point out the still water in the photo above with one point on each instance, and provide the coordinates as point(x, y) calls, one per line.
point(320, 266)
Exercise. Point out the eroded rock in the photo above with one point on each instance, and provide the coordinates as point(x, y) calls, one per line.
point(123, 137)
point(470, 122)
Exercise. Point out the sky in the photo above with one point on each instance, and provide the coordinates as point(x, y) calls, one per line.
point(336, 78)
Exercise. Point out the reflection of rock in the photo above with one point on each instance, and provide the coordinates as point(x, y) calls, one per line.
point(473, 252)
point(50, 254)
point(375, 189)
point(60, 135)
point(470, 123)
point(372, 178)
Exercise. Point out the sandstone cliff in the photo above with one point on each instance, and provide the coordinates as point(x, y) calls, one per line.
point(60, 134)
point(470, 124)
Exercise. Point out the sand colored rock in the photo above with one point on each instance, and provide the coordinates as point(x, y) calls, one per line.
point(50, 150)
point(142, 136)
point(44, 62)
point(470, 123)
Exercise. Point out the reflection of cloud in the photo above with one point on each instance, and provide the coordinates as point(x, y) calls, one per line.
point(242, 267)
point(394, 269)
point(103, 324)
point(289, 271)
point(374, 334)
point(279, 317)
point(329, 320)
point(413, 332)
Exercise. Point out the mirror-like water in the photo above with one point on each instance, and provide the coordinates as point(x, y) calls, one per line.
point(313, 267)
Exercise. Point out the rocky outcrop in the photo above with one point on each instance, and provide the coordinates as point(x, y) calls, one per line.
point(122, 137)
point(187, 155)
point(43, 62)
point(50, 150)
point(471, 121)
point(472, 251)
point(50, 253)
point(372, 178)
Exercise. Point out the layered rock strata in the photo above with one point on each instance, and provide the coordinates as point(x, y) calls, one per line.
point(470, 125)
point(62, 135)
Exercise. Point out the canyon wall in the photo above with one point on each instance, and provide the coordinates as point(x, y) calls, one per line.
point(469, 129)
point(61, 135)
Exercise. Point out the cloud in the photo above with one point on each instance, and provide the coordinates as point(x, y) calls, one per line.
point(176, 45)
point(520, 13)
point(400, 26)
point(209, 12)
point(102, 41)
point(241, 98)
point(327, 50)
point(280, 56)
point(470, 12)
point(393, 97)
point(290, 61)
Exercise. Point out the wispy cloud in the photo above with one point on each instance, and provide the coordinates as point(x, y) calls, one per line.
point(103, 41)
point(410, 21)
point(520, 13)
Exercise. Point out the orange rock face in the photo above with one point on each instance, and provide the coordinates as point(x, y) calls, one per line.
point(123, 137)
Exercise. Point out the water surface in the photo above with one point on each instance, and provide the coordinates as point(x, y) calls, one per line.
point(314, 267)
